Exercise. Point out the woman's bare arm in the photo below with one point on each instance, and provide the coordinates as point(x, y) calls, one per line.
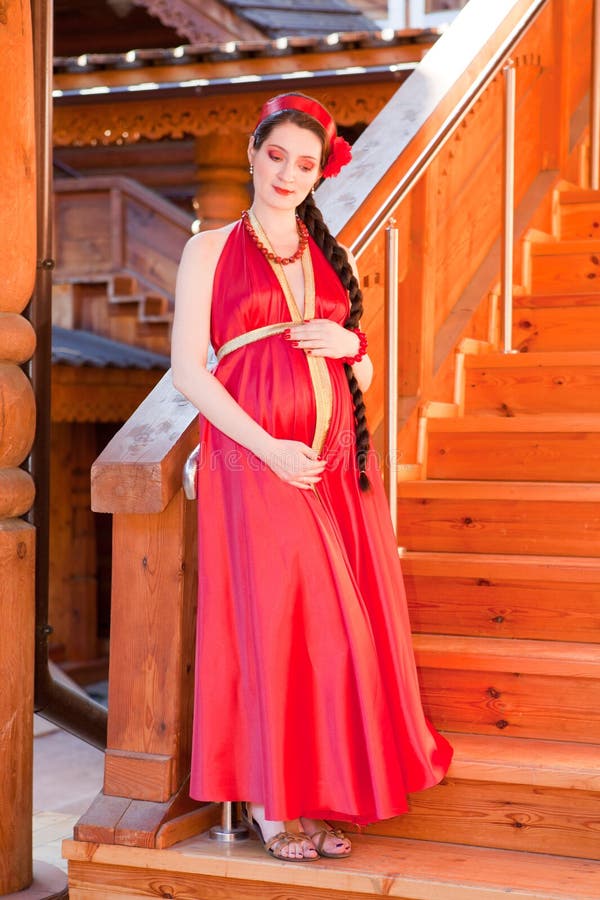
point(189, 351)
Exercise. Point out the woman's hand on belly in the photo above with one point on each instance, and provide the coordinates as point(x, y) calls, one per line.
point(295, 463)
point(324, 337)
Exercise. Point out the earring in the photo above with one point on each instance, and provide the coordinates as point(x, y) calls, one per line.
point(251, 169)
point(312, 190)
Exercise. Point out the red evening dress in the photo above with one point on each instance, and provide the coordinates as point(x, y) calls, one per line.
point(307, 698)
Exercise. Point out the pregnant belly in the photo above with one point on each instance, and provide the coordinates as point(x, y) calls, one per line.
point(272, 384)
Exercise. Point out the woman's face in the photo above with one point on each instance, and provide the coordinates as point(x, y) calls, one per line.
point(286, 165)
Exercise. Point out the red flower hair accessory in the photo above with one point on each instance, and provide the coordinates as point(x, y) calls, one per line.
point(339, 149)
point(339, 155)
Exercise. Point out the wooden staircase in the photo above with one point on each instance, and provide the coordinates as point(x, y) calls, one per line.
point(502, 541)
point(498, 483)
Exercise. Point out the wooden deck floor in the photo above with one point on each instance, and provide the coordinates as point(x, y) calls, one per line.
point(378, 867)
point(68, 773)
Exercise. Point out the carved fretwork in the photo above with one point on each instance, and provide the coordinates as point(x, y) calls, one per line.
point(127, 122)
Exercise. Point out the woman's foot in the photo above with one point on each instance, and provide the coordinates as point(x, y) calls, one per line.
point(328, 841)
point(284, 840)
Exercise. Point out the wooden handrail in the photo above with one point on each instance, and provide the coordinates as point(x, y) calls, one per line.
point(390, 156)
point(140, 470)
point(126, 186)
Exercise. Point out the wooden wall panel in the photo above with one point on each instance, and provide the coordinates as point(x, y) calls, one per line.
point(82, 229)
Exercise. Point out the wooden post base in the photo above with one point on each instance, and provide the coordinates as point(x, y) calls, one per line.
point(49, 883)
point(145, 823)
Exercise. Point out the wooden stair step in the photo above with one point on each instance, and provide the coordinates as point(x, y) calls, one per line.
point(564, 266)
point(506, 596)
point(378, 867)
point(561, 658)
point(553, 301)
point(557, 327)
point(579, 214)
point(547, 690)
point(541, 381)
point(555, 764)
point(155, 309)
point(521, 517)
point(512, 793)
point(124, 284)
point(523, 423)
point(575, 195)
point(521, 447)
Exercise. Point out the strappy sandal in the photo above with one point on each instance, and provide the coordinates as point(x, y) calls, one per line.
point(278, 842)
point(320, 835)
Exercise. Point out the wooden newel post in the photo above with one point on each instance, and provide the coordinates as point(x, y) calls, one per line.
point(137, 478)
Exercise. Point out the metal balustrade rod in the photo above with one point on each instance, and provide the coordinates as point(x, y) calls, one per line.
point(508, 228)
point(595, 102)
point(391, 419)
point(227, 831)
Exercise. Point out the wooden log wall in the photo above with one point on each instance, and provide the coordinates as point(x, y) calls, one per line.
point(17, 426)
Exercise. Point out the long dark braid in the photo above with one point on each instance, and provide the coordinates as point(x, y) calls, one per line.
point(338, 258)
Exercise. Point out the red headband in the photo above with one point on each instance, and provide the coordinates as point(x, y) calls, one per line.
point(302, 104)
point(339, 149)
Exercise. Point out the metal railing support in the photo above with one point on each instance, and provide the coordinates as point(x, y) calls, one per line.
point(595, 101)
point(227, 831)
point(391, 418)
point(508, 225)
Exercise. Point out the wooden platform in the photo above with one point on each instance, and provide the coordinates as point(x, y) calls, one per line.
point(378, 867)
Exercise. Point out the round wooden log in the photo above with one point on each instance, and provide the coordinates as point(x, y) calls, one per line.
point(17, 492)
point(17, 415)
point(17, 152)
point(17, 341)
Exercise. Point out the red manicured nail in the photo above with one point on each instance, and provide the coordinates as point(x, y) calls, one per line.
point(295, 343)
point(287, 333)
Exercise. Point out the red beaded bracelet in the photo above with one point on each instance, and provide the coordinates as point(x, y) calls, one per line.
point(362, 348)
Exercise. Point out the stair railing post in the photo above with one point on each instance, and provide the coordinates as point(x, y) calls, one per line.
point(227, 831)
point(391, 418)
point(595, 102)
point(508, 212)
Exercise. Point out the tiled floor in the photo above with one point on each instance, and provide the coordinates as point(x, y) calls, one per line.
point(67, 775)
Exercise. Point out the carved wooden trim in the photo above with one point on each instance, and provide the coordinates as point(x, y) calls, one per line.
point(126, 122)
point(88, 394)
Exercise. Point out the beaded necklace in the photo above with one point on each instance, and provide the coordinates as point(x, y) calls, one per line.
point(282, 260)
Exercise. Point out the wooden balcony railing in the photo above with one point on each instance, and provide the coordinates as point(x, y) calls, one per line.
point(108, 225)
point(433, 160)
